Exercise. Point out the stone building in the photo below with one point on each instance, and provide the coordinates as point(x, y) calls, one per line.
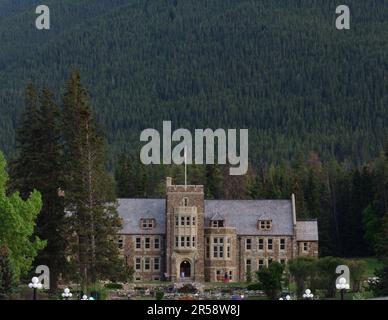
point(185, 237)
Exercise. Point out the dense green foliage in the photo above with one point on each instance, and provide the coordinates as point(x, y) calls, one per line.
point(89, 190)
point(276, 67)
point(39, 166)
point(270, 279)
point(18, 218)
point(302, 270)
point(7, 279)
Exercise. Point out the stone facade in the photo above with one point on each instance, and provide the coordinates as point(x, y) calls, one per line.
point(185, 238)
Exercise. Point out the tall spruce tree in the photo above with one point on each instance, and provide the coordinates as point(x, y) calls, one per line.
point(89, 190)
point(39, 166)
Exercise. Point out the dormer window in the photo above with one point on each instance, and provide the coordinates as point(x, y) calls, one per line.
point(217, 223)
point(264, 225)
point(147, 224)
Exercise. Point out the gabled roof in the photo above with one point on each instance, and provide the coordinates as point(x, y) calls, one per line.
point(217, 216)
point(307, 230)
point(240, 214)
point(132, 210)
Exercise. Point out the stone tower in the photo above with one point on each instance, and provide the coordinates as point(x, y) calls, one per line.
point(184, 232)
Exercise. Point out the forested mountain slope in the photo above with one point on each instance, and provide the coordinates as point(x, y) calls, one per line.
point(277, 67)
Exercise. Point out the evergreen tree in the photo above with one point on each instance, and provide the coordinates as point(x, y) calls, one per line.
point(90, 196)
point(214, 182)
point(39, 143)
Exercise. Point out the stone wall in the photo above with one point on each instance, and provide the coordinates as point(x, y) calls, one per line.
point(256, 255)
point(175, 199)
point(130, 254)
point(312, 248)
point(226, 265)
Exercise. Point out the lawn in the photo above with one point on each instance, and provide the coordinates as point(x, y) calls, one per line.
point(372, 265)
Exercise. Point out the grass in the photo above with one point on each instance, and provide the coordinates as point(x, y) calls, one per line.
point(372, 265)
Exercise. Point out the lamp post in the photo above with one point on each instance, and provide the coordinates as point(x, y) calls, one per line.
point(35, 285)
point(66, 294)
point(308, 295)
point(342, 286)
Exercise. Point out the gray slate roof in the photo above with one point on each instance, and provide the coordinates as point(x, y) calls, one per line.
point(244, 214)
point(307, 230)
point(132, 210)
point(240, 214)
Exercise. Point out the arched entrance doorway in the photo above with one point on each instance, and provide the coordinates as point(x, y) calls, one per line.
point(185, 269)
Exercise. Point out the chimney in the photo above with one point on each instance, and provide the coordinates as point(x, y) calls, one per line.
point(293, 209)
point(168, 182)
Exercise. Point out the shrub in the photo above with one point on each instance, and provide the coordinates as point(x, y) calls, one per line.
point(7, 282)
point(380, 287)
point(98, 291)
point(159, 295)
point(254, 287)
point(114, 286)
point(357, 272)
point(302, 269)
point(326, 274)
point(271, 279)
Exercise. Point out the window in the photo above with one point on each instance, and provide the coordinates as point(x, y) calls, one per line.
point(248, 265)
point(176, 220)
point(182, 241)
point(261, 244)
point(138, 243)
point(207, 248)
point(270, 244)
point(248, 244)
point(194, 221)
point(157, 243)
point(147, 243)
point(219, 247)
point(156, 264)
point(305, 246)
point(283, 261)
point(230, 275)
point(261, 264)
point(187, 241)
point(185, 202)
point(138, 264)
point(120, 242)
point(187, 221)
point(270, 260)
point(147, 223)
point(182, 221)
point(282, 244)
point(147, 264)
point(264, 225)
point(193, 242)
point(177, 242)
point(217, 223)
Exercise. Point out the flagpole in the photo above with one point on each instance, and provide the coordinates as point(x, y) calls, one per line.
point(185, 168)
